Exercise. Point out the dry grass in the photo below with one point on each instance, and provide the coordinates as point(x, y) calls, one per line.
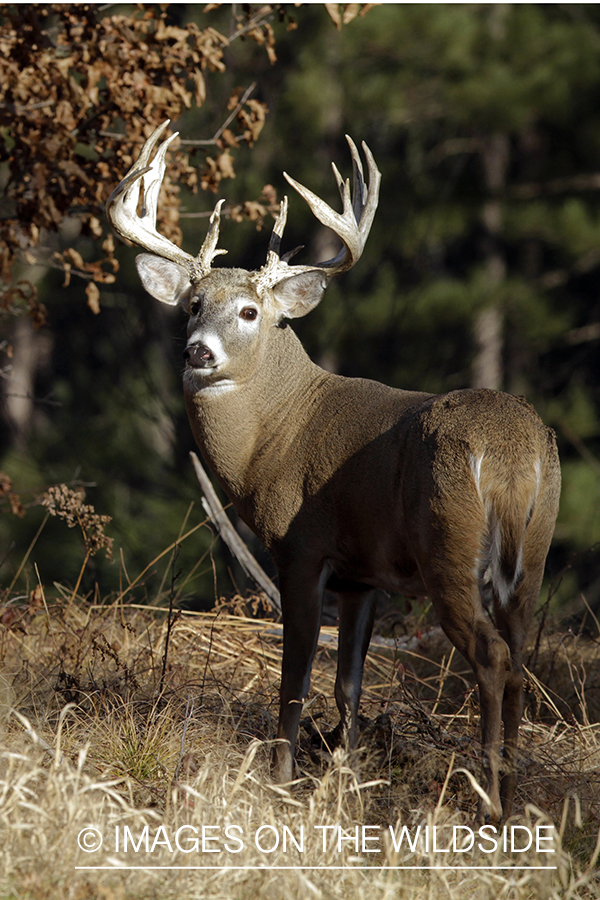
point(93, 734)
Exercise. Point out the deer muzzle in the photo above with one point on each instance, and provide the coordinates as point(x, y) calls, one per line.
point(199, 356)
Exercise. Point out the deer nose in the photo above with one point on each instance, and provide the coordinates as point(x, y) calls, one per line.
point(198, 356)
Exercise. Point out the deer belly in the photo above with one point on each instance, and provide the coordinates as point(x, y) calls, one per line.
point(400, 576)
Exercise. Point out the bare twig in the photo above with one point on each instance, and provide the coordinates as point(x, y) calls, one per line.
point(26, 557)
point(206, 142)
point(213, 140)
point(170, 620)
point(189, 712)
point(263, 15)
point(21, 110)
point(579, 445)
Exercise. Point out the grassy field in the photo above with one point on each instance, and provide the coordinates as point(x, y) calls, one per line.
point(163, 752)
point(135, 743)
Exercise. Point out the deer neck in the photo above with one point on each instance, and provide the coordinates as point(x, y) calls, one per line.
point(251, 426)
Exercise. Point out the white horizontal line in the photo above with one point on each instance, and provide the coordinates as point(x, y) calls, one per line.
point(318, 868)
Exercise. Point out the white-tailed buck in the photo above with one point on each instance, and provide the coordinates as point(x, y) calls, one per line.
point(353, 485)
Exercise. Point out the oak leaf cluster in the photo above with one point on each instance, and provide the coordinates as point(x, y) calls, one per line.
point(80, 90)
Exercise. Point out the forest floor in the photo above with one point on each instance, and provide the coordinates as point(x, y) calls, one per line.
point(135, 748)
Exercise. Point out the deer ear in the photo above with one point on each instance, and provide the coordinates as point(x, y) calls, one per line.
point(296, 296)
point(164, 280)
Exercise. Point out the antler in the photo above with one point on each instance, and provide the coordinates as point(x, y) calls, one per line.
point(352, 226)
point(121, 209)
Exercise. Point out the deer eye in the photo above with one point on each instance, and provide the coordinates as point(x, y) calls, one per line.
point(248, 313)
point(195, 307)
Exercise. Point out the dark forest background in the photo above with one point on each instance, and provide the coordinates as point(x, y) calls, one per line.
point(482, 267)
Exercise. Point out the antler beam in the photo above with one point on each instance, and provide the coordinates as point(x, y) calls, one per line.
point(122, 210)
point(352, 225)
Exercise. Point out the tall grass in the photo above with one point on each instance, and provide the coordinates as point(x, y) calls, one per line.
point(88, 742)
point(154, 732)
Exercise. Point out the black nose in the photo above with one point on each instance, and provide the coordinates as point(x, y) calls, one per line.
point(199, 356)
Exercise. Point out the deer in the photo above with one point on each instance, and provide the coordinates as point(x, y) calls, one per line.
point(352, 485)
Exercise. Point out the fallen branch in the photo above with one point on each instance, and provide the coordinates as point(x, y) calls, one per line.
point(213, 509)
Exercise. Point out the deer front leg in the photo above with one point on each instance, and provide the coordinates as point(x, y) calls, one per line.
point(301, 603)
point(356, 615)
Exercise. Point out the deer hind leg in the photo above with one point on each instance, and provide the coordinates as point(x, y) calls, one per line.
point(301, 602)
point(513, 618)
point(462, 617)
point(356, 616)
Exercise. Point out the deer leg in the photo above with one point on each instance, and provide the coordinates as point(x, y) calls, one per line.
point(490, 667)
point(475, 637)
point(512, 710)
point(301, 602)
point(513, 619)
point(356, 613)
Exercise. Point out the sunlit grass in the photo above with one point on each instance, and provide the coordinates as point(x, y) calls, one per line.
point(100, 747)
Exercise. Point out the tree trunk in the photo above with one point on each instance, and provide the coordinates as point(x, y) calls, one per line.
point(487, 366)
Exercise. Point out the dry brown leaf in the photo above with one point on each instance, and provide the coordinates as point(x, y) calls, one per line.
point(343, 13)
point(5, 483)
point(200, 85)
point(93, 297)
point(74, 257)
point(335, 13)
point(351, 10)
point(16, 506)
point(225, 163)
point(99, 69)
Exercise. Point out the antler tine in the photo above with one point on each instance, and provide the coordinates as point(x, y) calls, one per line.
point(121, 206)
point(274, 251)
point(359, 189)
point(121, 209)
point(275, 267)
point(352, 226)
point(153, 179)
point(208, 251)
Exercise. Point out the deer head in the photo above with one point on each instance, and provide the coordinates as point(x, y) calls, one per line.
point(230, 309)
